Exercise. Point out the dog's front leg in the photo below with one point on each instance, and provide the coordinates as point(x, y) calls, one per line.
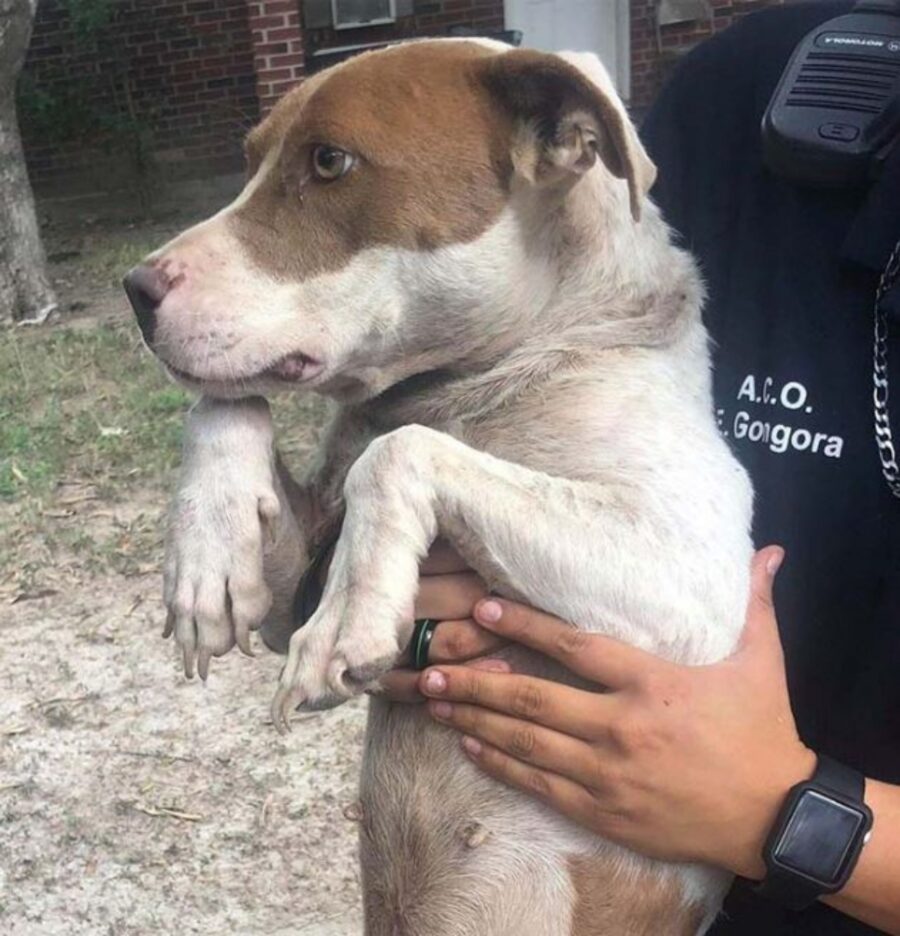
point(602, 554)
point(234, 550)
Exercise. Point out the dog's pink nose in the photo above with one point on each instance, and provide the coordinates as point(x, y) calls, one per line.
point(146, 287)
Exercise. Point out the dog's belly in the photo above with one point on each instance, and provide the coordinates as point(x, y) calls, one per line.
point(445, 851)
point(610, 899)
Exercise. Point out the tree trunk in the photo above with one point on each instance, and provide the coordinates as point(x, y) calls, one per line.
point(25, 290)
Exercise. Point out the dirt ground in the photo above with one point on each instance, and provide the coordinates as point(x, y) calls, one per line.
point(131, 800)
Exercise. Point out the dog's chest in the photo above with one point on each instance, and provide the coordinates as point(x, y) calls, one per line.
point(565, 431)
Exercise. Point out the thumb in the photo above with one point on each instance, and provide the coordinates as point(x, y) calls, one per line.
point(761, 623)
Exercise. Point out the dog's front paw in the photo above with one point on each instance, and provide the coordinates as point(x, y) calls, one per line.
point(223, 514)
point(341, 652)
point(214, 588)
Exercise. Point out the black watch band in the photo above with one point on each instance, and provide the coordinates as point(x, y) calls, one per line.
point(818, 836)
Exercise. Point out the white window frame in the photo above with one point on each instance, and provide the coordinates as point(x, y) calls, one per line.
point(622, 76)
point(381, 21)
point(623, 72)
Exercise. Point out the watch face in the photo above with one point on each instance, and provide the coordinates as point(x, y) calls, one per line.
point(818, 837)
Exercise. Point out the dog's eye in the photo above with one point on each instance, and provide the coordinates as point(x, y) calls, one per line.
point(330, 163)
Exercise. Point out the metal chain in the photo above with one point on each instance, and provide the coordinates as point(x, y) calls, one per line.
point(883, 437)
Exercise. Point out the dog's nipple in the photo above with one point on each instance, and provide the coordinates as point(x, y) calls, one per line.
point(474, 834)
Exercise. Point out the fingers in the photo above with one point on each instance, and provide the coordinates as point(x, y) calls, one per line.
point(761, 624)
point(572, 711)
point(402, 685)
point(595, 657)
point(449, 597)
point(522, 740)
point(766, 564)
point(562, 794)
point(458, 641)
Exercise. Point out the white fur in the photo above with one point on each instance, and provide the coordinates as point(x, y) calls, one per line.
point(574, 462)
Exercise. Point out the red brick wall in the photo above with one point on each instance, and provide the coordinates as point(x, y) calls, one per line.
point(199, 72)
point(190, 75)
point(277, 48)
point(649, 65)
point(439, 15)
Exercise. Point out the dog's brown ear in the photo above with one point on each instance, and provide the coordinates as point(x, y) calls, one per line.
point(569, 114)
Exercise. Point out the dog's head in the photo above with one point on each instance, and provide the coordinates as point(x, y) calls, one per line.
point(393, 221)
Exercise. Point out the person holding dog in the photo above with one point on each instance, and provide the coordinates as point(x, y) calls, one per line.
point(697, 764)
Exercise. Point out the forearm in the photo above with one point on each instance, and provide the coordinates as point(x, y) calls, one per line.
point(668, 756)
point(873, 893)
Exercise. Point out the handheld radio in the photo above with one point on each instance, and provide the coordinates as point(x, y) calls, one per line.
point(836, 111)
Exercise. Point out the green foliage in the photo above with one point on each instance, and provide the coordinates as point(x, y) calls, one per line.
point(87, 99)
point(89, 17)
point(56, 110)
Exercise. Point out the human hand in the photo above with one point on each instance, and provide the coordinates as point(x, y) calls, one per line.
point(679, 763)
point(448, 591)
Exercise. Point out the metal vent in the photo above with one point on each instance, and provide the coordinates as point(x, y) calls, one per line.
point(349, 14)
point(852, 82)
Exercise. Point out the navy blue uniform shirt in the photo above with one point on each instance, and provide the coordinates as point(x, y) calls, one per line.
point(791, 274)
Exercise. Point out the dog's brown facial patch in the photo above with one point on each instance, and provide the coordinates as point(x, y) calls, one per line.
point(431, 164)
point(628, 904)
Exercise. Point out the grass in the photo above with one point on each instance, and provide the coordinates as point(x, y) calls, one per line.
point(88, 421)
point(107, 264)
point(86, 405)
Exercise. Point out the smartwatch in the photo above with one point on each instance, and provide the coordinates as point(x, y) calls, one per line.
point(818, 836)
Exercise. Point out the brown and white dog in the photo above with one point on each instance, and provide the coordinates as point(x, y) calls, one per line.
point(452, 240)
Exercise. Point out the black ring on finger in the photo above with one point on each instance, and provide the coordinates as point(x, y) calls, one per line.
point(421, 641)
